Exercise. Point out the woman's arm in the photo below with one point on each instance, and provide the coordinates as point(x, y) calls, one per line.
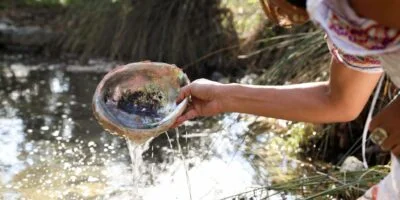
point(340, 99)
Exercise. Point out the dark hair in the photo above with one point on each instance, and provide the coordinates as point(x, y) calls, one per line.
point(298, 3)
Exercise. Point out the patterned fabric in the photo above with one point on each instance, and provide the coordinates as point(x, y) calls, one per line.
point(370, 64)
point(351, 33)
point(370, 36)
point(359, 43)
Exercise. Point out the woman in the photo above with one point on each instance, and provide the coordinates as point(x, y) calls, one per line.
point(364, 39)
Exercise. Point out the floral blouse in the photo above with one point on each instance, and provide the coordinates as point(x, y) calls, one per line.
point(361, 44)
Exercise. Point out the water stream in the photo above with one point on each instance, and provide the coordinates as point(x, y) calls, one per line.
point(135, 152)
point(184, 163)
point(53, 148)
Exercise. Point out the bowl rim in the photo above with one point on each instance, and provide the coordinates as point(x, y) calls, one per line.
point(159, 126)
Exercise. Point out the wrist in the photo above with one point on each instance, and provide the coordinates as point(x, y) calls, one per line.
point(224, 95)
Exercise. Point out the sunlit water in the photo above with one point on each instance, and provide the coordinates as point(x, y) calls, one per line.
point(52, 148)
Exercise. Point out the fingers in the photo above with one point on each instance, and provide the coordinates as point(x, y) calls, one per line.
point(176, 124)
point(185, 92)
point(189, 114)
point(179, 121)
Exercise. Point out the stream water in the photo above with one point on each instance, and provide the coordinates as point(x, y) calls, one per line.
point(53, 148)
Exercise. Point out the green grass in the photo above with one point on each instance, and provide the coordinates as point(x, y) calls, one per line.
point(247, 15)
point(333, 185)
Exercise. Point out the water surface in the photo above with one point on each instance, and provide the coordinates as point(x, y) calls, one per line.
point(52, 147)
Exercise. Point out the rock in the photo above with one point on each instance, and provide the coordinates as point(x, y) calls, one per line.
point(29, 36)
point(6, 21)
point(89, 69)
point(351, 164)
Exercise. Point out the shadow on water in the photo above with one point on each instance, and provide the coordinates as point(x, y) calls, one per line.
point(52, 147)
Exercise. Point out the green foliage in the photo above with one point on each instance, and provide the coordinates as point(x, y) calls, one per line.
point(294, 56)
point(290, 139)
point(333, 185)
point(40, 3)
point(178, 31)
point(343, 185)
point(3, 6)
point(247, 15)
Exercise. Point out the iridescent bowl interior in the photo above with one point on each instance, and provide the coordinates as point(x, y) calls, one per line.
point(139, 98)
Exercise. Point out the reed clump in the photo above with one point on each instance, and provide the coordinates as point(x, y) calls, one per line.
point(177, 31)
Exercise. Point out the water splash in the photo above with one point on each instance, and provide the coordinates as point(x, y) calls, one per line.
point(169, 141)
point(57, 141)
point(184, 163)
point(135, 152)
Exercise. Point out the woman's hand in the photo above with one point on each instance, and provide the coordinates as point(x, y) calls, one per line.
point(389, 120)
point(205, 99)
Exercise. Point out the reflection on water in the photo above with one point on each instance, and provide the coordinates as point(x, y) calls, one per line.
point(52, 148)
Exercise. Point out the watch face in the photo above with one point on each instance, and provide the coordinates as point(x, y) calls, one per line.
point(378, 136)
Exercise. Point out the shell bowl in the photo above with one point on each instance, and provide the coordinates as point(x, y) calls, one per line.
point(138, 100)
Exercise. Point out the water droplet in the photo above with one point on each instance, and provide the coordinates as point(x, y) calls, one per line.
point(92, 179)
point(78, 170)
point(92, 144)
point(44, 128)
point(55, 133)
point(73, 178)
point(69, 151)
